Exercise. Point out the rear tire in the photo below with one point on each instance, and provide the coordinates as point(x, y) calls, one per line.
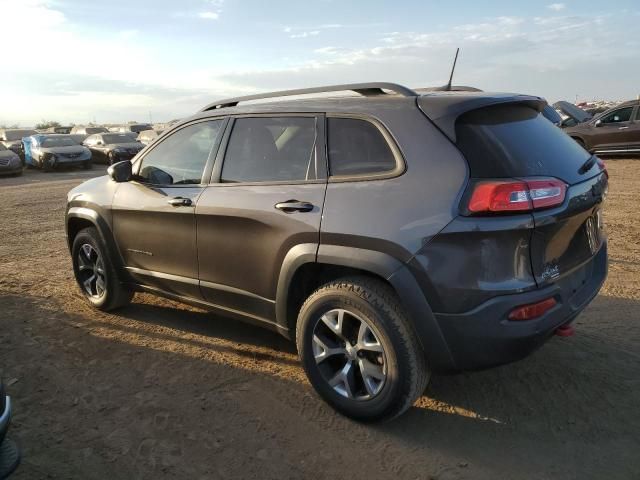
point(366, 362)
point(95, 274)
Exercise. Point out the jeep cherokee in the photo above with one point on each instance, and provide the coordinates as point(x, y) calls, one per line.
point(391, 234)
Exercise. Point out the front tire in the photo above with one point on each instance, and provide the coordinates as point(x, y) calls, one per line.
point(95, 273)
point(359, 350)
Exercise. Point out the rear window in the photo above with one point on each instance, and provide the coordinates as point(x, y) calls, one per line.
point(517, 141)
point(357, 147)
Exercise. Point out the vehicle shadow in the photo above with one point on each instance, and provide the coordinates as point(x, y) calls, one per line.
point(568, 411)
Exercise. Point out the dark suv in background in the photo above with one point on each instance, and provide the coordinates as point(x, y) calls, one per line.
point(390, 234)
point(616, 131)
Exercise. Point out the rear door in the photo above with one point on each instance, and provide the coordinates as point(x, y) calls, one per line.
point(154, 214)
point(266, 197)
point(515, 141)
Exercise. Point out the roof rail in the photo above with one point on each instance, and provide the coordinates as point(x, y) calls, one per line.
point(366, 89)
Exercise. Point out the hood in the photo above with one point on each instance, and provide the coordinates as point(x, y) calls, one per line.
point(8, 154)
point(570, 110)
point(65, 150)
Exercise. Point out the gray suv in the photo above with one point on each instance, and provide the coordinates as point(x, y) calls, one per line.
point(391, 234)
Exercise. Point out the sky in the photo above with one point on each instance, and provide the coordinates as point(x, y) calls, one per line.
point(121, 60)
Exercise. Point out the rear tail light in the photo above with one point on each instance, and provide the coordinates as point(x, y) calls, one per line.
point(533, 310)
point(603, 167)
point(516, 195)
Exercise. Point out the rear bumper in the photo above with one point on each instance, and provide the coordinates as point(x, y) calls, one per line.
point(484, 337)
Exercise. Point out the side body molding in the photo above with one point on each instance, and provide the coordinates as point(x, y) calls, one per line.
point(383, 265)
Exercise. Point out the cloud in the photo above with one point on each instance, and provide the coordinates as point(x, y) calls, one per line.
point(556, 7)
point(312, 33)
point(209, 15)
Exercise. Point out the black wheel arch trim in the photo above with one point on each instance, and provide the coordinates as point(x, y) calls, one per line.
point(105, 232)
point(382, 265)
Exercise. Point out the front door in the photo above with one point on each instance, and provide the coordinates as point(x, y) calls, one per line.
point(614, 130)
point(266, 197)
point(154, 214)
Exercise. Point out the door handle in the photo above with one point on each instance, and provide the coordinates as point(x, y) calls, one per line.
point(180, 202)
point(291, 206)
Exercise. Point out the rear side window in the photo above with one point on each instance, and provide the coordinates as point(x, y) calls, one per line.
point(271, 149)
point(357, 147)
point(516, 141)
point(181, 158)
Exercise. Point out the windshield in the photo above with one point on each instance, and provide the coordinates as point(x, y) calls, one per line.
point(58, 142)
point(117, 138)
point(11, 135)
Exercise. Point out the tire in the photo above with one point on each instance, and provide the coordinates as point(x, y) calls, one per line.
point(88, 165)
point(402, 361)
point(90, 257)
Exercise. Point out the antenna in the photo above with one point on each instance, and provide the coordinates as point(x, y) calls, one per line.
point(448, 86)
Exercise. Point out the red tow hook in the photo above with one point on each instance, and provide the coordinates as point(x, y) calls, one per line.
point(565, 331)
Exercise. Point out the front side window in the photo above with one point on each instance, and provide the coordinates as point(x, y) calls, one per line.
point(621, 115)
point(181, 158)
point(269, 149)
point(357, 147)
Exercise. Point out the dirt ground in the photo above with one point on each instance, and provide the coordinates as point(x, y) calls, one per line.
point(162, 390)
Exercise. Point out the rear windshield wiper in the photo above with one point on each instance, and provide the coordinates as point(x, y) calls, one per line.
point(586, 166)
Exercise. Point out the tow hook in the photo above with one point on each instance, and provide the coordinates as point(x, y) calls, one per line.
point(565, 331)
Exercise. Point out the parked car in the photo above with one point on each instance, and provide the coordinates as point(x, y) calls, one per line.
point(149, 136)
point(9, 452)
point(62, 130)
point(81, 130)
point(50, 151)
point(571, 114)
point(616, 131)
point(134, 127)
point(371, 229)
point(111, 148)
point(12, 139)
point(10, 162)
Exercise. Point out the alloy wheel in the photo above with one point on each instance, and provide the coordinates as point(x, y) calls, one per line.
point(349, 355)
point(91, 271)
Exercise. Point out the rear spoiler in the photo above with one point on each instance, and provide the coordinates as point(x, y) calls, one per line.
point(444, 109)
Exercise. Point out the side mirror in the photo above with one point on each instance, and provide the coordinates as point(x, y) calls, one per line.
point(121, 172)
point(598, 123)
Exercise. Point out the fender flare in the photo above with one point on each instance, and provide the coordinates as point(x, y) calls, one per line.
point(104, 230)
point(380, 264)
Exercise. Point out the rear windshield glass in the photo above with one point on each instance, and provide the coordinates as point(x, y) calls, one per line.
point(117, 138)
point(517, 141)
point(58, 142)
point(92, 130)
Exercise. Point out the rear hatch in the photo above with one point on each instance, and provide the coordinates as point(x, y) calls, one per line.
point(513, 141)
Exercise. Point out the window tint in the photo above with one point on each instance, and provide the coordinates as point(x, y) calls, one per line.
point(516, 141)
point(181, 158)
point(271, 149)
point(622, 115)
point(357, 147)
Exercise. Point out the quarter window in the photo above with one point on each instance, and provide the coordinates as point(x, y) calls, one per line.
point(269, 149)
point(357, 147)
point(181, 158)
point(621, 115)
